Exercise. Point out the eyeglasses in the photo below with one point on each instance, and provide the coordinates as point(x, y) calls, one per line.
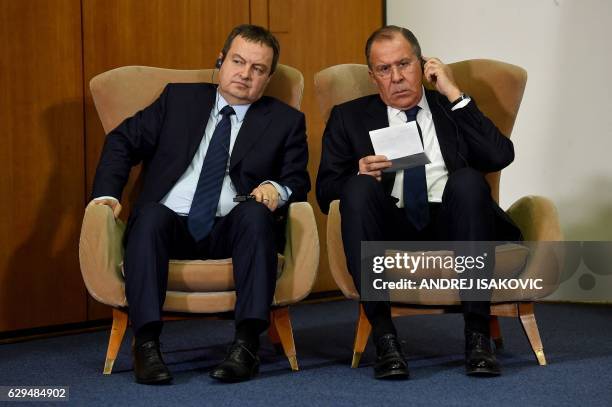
point(403, 66)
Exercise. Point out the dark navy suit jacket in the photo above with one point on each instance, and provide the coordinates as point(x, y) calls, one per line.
point(467, 138)
point(164, 137)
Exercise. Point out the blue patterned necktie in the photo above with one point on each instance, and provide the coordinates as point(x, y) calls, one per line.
point(206, 198)
point(415, 187)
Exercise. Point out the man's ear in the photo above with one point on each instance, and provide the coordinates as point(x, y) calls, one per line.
point(219, 61)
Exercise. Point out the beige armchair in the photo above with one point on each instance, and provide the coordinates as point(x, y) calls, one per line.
point(198, 286)
point(498, 88)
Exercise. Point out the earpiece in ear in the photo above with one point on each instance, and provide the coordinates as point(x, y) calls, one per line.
point(218, 63)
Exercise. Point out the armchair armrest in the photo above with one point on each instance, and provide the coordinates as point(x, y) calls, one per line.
point(301, 256)
point(101, 255)
point(335, 253)
point(538, 220)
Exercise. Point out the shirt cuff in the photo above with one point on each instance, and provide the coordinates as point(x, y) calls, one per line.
point(105, 197)
point(461, 104)
point(283, 192)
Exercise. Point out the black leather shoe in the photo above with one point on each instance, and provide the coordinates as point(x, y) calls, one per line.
point(479, 358)
point(390, 362)
point(149, 367)
point(240, 364)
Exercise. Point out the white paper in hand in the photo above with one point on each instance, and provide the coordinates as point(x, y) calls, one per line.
point(401, 144)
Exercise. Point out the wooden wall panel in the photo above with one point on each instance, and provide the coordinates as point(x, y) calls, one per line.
point(180, 34)
point(315, 34)
point(41, 151)
point(259, 12)
point(281, 15)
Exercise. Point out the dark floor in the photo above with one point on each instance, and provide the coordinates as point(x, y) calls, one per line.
point(577, 342)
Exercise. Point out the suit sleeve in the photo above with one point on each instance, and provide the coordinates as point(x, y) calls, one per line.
point(488, 149)
point(132, 142)
point(294, 172)
point(338, 162)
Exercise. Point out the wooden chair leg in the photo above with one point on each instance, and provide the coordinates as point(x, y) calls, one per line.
point(274, 338)
point(530, 327)
point(496, 333)
point(281, 324)
point(120, 322)
point(361, 337)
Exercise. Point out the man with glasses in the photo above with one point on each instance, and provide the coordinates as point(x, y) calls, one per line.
point(447, 199)
point(204, 149)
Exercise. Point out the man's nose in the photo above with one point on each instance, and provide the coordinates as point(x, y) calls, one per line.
point(396, 74)
point(245, 72)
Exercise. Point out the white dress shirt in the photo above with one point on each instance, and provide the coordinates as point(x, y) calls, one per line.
point(435, 172)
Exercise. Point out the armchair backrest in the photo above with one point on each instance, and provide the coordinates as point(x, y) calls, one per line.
point(496, 86)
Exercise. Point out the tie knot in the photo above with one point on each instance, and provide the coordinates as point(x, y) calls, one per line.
point(227, 111)
point(411, 113)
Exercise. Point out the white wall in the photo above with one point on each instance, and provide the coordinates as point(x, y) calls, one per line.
point(563, 133)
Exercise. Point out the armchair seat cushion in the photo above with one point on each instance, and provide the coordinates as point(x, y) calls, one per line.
point(205, 275)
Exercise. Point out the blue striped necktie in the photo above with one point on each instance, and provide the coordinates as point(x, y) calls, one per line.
point(415, 186)
point(206, 198)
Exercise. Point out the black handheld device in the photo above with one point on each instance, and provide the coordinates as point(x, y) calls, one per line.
point(243, 198)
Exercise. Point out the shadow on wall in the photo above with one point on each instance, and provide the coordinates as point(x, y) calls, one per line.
point(42, 284)
point(587, 223)
point(587, 213)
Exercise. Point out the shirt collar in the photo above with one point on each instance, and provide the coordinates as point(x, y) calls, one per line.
point(392, 112)
point(241, 110)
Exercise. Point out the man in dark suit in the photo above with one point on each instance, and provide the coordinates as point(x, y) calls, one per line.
point(202, 146)
point(447, 199)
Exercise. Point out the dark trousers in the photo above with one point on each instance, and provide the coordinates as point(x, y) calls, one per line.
point(467, 213)
point(157, 234)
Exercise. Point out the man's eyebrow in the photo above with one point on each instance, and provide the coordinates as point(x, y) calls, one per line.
point(258, 64)
point(235, 54)
point(406, 59)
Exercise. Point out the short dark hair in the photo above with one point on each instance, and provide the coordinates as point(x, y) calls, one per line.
point(254, 33)
point(387, 33)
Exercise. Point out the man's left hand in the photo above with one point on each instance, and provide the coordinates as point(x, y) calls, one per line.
point(267, 195)
point(441, 76)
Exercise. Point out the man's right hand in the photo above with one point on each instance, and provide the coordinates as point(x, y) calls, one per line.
point(373, 165)
point(110, 202)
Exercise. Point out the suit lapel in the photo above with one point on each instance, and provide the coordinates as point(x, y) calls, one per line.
point(195, 129)
point(255, 122)
point(445, 130)
point(378, 118)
